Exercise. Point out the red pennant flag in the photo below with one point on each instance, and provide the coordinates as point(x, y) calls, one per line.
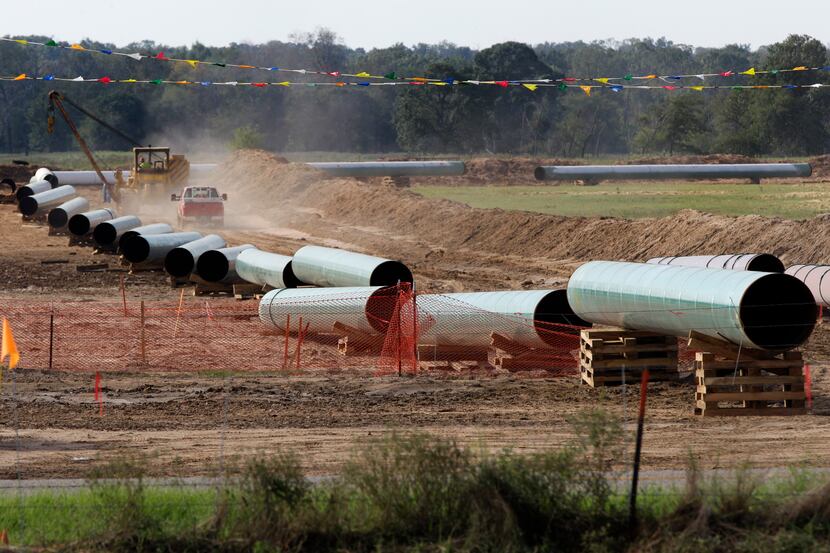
point(105, 80)
point(259, 85)
point(417, 82)
point(160, 56)
point(334, 74)
point(727, 74)
point(502, 84)
point(569, 80)
point(669, 87)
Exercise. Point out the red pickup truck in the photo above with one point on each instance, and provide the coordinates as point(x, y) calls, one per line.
point(200, 204)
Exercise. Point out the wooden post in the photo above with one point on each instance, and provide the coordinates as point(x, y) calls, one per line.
point(143, 344)
point(123, 294)
point(287, 339)
point(178, 314)
point(51, 337)
point(638, 448)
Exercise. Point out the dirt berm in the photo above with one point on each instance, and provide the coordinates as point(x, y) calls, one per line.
point(283, 192)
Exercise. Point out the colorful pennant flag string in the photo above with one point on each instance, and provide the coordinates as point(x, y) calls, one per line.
point(504, 85)
point(393, 76)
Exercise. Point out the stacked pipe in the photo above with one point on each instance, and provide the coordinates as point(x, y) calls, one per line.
point(816, 278)
point(181, 260)
point(34, 187)
point(107, 233)
point(763, 262)
point(391, 168)
point(769, 311)
point(39, 204)
point(220, 265)
point(149, 250)
point(266, 268)
point(59, 216)
point(333, 267)
point(144, 230)
point(82, 224)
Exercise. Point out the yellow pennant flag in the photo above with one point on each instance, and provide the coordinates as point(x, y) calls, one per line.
point(182, 82)
point(77, 47)
point(193, 63)
point(530, 86)
point(21, 77)
point(284, 83)
point(603, 80)
point(23, 42)
point(750, 71)
point(800, 68)
point(586, 90)
point(9, 348)
point(438, 83)
point(363, 74)
point(246, 67)
point(129, 81)
point(698, 88)
point(650, 77)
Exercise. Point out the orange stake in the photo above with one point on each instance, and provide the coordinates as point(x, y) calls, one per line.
point(123, 294)
point(287, 340)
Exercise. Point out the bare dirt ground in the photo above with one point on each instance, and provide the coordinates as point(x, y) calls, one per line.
point(185, 424)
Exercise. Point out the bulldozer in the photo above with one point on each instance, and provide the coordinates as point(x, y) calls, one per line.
point(155, 172)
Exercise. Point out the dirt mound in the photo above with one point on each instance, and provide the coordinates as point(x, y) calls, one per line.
point(274, 186)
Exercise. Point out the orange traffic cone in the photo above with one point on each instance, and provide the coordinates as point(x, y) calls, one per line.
point(4, 537)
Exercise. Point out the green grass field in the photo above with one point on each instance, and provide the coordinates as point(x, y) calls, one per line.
point(635, 200)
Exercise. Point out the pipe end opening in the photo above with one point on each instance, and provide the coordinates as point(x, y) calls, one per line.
point(778, 312)
point(390, 273)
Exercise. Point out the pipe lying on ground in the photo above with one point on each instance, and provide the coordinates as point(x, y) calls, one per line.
point(59, 216)
point(10, 183)
point(332, 267)
point(150, 250)
point(391, 168)
point(771, 311)
point(33, 188)
point(42, 202)
point(220, 265)
point(106, 234)
point(816, 278)
point(366, 308)
point(82, 224)
point(764, 262)
point(596, 173)
point(266, 269)
point(90, 178)
point(45, 174)
point(154, 228)
point(534, 318)
point(181, 261)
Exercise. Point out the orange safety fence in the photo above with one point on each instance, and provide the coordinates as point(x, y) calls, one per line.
point(396, 332)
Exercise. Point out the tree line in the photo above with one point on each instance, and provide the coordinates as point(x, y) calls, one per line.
point(429, 119)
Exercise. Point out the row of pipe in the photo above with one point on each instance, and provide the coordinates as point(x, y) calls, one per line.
point(596, 173)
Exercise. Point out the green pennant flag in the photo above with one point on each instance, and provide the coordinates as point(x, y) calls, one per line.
point(628, 77)
point(391, 76)
point(155, 81)
point(51, 43)
point(563, 86)
point(773, 72)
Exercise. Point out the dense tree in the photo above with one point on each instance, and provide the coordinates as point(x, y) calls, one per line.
point(451, 118)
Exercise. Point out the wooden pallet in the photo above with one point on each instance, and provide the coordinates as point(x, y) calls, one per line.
point(745, 386)
point(611, 357)
point(451, 357)
point(247, 291)
point(515, 357)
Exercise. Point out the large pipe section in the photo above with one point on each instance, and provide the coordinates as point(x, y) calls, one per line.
point(181, 261)
point(41, 203)
point(266, 269)
point(45, 174)
point(34, 187)
point(155, 228)
point(366, 308)
point(59, 216)
point(220, 265)
point(84, 223)
point(90, 178)
point(596, 173)
point(764, 262)
point(332, 267)
point(106, 234)
point(770, 311)
point(11, 184)
point(391, 168)
point(816, 278)
point(535, 318)
point(150, 250)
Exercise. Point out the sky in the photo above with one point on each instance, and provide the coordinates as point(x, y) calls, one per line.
point(381, 23)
